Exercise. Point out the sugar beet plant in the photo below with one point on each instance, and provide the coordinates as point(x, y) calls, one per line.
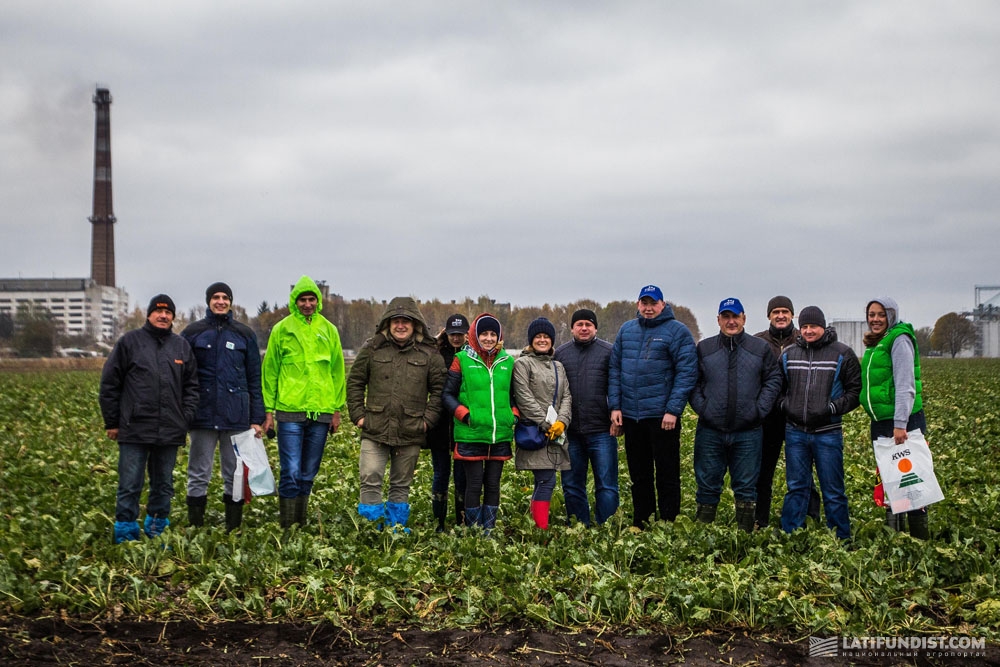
point(58, 475)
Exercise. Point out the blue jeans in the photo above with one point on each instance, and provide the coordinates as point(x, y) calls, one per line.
point(133, 461)
point(715, 452)
point(600, 451)
point(300, 450)
point(827, 451)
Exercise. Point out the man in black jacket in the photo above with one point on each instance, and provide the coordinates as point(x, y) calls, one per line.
point(780, 335)
point(148, 397)
point(823, 383)
point(593, 438)
point(738, 383)
point(231, 400)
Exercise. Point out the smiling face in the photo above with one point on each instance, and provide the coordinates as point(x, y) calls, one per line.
point(811, 332)
point(161, 318)
point(780, 318)
point(401, 328)
point(488, 340)
point(220, 303)
point(541, 343)
point(878, 321)
point(306, 303)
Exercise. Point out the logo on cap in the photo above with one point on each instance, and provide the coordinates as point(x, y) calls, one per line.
point(732, 305)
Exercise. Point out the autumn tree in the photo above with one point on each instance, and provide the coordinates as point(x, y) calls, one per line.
point(952, 334)
point(35, 331)
point(923, 335)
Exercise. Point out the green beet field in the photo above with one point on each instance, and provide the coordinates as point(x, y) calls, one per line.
point(58, 481)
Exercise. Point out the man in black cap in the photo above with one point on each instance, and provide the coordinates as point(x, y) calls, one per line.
point(231, 400)
point(148, 397)
point(593, 438)
point(780, 335)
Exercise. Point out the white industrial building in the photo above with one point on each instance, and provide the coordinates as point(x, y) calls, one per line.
point(79, 305)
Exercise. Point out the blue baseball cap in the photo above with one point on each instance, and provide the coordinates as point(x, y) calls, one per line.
point(731, 304)
point(652, 291)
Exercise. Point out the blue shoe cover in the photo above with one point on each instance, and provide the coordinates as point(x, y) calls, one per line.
point(126, 531)
point(153, 526)
point(374, 513)
point(398, 514)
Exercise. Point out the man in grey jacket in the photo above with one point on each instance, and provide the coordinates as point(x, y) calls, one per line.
point(738, 383)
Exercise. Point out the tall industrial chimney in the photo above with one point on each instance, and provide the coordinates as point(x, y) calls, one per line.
point(102, 248)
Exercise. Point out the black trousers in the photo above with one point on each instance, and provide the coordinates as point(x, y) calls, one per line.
point(654, 466)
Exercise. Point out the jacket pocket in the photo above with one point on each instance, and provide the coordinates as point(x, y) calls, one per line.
point(413, 424)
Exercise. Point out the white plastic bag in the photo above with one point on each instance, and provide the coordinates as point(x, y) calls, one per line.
point(907, 472)
point(253, 470)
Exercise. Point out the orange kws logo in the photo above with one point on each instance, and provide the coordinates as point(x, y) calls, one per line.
point(904, 466)
point(179, 361)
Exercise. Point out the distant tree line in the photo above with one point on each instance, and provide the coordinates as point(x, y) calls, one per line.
point(33, 332)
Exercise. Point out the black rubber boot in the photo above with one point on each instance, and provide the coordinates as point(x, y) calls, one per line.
point(459, 509)
point(895, 521)
point(706, 513)
point(286, 511)
point(439, 506)
point(301, 505)
point(196, 510)
point(234, 512)
point(918, 524)
point(746, 511)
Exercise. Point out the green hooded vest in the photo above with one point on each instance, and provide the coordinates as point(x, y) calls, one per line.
point(878, 393)
point(485, 391)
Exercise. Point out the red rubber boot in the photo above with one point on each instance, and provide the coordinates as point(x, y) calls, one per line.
point(540, 513)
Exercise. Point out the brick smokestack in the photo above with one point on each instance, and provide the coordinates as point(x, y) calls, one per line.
point(102, 248)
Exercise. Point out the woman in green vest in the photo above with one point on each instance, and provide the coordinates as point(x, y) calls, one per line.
point(891, 391)
point(477, 393)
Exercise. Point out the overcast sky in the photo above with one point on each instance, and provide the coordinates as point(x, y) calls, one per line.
point(538, 152)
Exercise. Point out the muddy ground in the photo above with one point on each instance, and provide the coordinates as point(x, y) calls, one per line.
point(49, 641)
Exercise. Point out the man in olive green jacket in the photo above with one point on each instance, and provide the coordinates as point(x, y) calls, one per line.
point(403, 374)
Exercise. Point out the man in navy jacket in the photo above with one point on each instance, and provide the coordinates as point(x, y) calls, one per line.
point(651, 373)
point(230, 400)
point(738, 383)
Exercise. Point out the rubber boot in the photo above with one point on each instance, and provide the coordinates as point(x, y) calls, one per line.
point(398, 514)
point(234, 512)
point(706, 513)
point(918, 524)
point(746, 513)
point(895, 521)
point(540, 513)
point(472, 515)
point(153, 526)
point(374, 513)
point(439, 506)
point(459, 509)
point(126, 531)
point(488, 519)
point(301, 509)
point(196, 510)
point(814, 504)
point(286, 511)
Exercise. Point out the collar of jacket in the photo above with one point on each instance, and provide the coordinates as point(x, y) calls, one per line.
point(781, 334)
point(157, 332)
point(829, 336)
point(666, 314)
point(216, 319)
point(731, 342)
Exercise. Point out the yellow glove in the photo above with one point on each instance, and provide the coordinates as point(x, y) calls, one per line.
point(557, 429)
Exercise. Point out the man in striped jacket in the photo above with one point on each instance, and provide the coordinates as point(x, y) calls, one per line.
point(823, 383)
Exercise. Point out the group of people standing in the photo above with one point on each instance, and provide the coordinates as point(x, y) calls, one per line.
point(461, 394)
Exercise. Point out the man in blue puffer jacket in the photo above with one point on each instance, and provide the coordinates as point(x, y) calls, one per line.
point(653, 368)
point(230, 400)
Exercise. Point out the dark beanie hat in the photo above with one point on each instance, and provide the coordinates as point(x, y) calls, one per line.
point(161, 301)
point(780, 302)
point(584, 314)
point(812, 315)
point(215, 288)
point(487, 323)
point(541, 325)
